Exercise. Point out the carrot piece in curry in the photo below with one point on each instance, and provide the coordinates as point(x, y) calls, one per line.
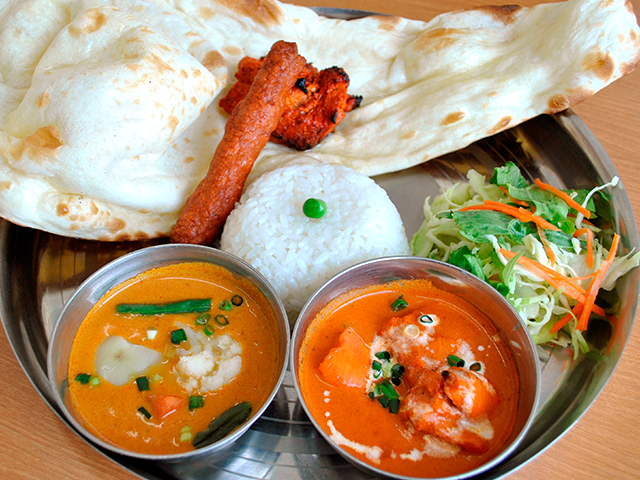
point(163, 405)
point(349, 363)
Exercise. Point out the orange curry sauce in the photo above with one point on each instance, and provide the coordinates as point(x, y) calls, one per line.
point(111, 412)
point(399, 442)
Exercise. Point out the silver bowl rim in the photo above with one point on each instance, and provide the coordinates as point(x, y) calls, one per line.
point(134, 256)
point(462, 275)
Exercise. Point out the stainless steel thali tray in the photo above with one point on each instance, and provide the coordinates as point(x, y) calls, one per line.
point(40, 271)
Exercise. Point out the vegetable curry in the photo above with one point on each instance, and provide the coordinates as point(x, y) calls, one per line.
point(162, 355)
point(410, 378)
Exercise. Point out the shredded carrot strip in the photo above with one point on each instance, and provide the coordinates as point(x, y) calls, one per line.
point(541, 222)
point(517, 212)
point(567, 318)
point(592, 291)
point(505, 190)
point(598, 310)
point(553, 278)
point(564, 196)
point(589, 233)
point(547, 248)
point(579, 279)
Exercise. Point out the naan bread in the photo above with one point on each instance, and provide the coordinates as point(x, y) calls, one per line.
point(109, 115)
point(93, 101)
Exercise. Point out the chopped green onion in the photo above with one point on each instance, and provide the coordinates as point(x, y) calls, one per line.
point(186, 428)
point(383, 355)
point(314, 208)
point(225, 305)
point(399, 304)
point(237, 300)
point(221, 320)
point(208, 330)
point(376, 374)
point(143, 383)
point(372, 395)
point(83, 377)
point(203, 319)
point(186, 437)
point(94, 381)
point(184, 306)
point(455, 361)
point(425, 319)
point(388, 391)
point(384, 401)
point(476, 367)
point(376, 365)
point(157, 378)
point(196, 401)
point(397, 371)
point(151, 333)
point(394, 405)
point(178, 336)
point(145, 412)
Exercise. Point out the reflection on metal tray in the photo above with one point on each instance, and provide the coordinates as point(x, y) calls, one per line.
point(39, 272)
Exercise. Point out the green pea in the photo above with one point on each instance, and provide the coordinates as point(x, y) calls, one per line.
point(314, 208)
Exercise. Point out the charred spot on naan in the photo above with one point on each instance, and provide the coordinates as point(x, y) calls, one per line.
point(503, 13)
point(572, 96)
point(82, 213)
point(501, 125)
point(409, 135)
point(601, 64)
point(387, 22)
point(43, 143)
point(213, 61)
point(173, 123)
point(43, 100)
point(437, 39)
point(62, 209)
point(130, 237)
point(264, 12)
point(92, 21)
point(453, 118)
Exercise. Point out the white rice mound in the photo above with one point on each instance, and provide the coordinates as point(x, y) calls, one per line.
point(298, 254)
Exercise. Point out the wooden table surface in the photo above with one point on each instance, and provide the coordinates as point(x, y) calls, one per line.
point(604, 444)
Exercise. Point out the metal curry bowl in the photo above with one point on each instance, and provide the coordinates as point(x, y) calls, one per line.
point(452, 279)
point(116, 272)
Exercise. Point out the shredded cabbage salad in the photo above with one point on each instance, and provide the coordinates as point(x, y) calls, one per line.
point(519, 255)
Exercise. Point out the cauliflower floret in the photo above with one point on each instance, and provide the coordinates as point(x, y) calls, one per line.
point(227, 371)
point(228, 344)
point(197, 365)
point(210, 367)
